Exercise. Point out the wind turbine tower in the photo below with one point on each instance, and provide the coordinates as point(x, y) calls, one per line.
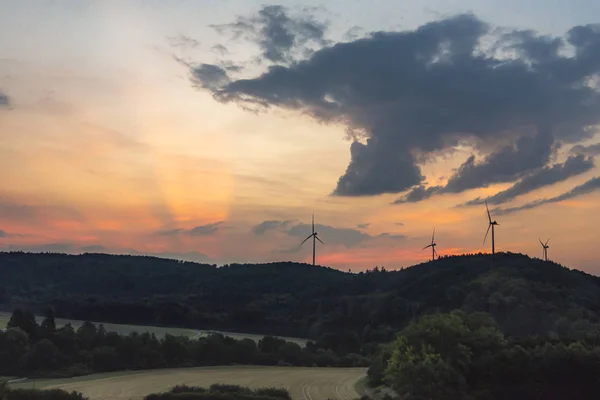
point(314, 237)
point(545, 248)
point(432, 245)
point(492, 224)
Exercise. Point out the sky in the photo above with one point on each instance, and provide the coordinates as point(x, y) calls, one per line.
point(212, 130)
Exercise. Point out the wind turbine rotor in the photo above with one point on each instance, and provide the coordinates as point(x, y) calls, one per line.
point(486, 233)
point(309, 236)
point(488, 212)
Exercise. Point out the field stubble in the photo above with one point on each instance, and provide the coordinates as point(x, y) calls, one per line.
point(302, 383)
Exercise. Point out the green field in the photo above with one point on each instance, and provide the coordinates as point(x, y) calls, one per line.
point(302, 383)
point(156, 330)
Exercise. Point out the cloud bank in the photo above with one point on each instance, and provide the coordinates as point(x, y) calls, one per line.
point(202, 230)
point(348, 237)
point(546, 176)
point(588, 187)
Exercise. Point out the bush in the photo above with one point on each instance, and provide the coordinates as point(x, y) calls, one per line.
point(188, 389)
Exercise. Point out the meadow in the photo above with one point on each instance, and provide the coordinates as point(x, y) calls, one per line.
point(158, 331)
point(302, 383)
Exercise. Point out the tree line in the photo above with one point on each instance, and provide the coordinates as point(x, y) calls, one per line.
point(29, 349)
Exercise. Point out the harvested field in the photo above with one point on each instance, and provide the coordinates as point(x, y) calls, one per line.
point(303, 383)
point(156, 330)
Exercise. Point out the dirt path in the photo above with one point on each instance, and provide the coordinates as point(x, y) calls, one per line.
point(303, 383)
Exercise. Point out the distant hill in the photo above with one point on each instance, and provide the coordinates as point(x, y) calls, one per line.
point(526, 296)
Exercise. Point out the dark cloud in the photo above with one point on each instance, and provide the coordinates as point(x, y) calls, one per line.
point(348, 237)
point(202, 230)
point(418, 193)
point(205, 230)
point(353, 33)
point(210, 76)
point(588, 187)
point(271, 225)
point(345, 236)
point(363, 226)
point(405, 95)
point(183, 41)
point(399, 224)
point(219, 49)
point(278, 33)
point(506, 165)
point(591, 150)
point(3, 234)
point(546, 176)
point(4, 100)
point(393, 236)
point(14, 210)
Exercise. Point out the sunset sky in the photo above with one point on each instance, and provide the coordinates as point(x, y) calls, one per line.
point(212, 130)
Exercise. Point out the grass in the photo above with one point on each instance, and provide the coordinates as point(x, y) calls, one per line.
point(156, 330)
point(303, 383)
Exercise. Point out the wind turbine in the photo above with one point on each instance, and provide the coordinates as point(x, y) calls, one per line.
point(432, 245)
point(545, 248)
point(314, 237)
point(491, 225)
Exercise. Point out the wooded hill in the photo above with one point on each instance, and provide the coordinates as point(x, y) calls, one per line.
point(347, 312)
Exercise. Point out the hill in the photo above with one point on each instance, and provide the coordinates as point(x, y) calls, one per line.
point(345, 311)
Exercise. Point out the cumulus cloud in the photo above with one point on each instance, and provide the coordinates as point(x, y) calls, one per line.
point(591, 150)
point(585, 188)
point(505, 165)
point(348, 237)
point(210, 76)
point(278, 32)
point(409, 94)
point(271, 225)
point(201, 230)
point(4, 100)
point(363, 226)
point(183, 41)
point(3, 234)
point(546, 176)
point(418, 193)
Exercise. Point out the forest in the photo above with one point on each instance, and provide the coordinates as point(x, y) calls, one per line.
point(455, 356)
point(29, 349)
point(526, 296)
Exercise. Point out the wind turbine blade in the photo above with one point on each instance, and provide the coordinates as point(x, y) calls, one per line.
point(542, 243)
point(435, 252)
point(306, 239)
point(429, 245)
point(488, 212)
point(313, 223)
point(316, 237)
point(433, 236)
point(486, 233)
point(546, 244)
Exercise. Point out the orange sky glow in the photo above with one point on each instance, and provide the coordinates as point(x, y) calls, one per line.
point(108, 147)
